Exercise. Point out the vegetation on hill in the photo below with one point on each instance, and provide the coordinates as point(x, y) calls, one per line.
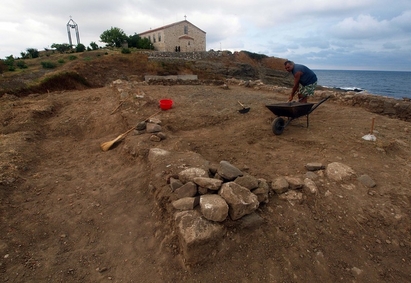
point(99, 67)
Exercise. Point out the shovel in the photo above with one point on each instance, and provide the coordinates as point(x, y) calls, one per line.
point(370, 136)
point(244, 110)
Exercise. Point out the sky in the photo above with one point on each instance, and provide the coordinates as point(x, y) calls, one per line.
point(322, 34)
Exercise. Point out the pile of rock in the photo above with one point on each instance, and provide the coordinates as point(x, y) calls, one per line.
point(229, 192)
point(205, 199)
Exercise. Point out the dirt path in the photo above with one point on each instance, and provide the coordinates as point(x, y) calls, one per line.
point(72, 213)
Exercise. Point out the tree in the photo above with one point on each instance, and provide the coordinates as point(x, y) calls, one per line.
point(10, 63)
point(145, 43)
point(34, 53)
point(93, 45)
point(113, 37)
point(133, 40)
point(61, 47)
point(80, 47)
point(31, 53)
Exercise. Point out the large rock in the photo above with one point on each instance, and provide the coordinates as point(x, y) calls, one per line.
point(175, 184)
point(367, 181)
point(240, 200)
point(292, 196)
point(262, 192)
point(153, 128)
point(247, 181)
point(214, 207)
point(310, 185)
point(189, 189)
point(189, 174)
point(280, 185)
point(338, 171)
point(294, 183)
point(186, 203)
point(199, 238)
point(228, 171)
point(208, 183)
point(314, 166)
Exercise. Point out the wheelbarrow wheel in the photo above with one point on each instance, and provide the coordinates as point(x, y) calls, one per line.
point(278, 126)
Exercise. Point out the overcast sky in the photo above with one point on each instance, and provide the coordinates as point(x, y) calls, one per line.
point(322, 34)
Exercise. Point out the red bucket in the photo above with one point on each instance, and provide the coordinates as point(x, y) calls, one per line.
point(166, 104)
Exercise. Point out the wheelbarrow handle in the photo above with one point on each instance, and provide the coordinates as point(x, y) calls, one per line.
point(319, 103)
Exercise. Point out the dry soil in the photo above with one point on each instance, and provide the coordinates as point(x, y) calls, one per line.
point(73, 213)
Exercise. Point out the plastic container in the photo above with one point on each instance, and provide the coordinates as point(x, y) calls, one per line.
point(166, 104)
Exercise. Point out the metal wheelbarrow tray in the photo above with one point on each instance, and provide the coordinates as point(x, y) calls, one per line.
point(291, 110)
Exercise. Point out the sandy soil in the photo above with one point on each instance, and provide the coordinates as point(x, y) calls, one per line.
point(73, 213)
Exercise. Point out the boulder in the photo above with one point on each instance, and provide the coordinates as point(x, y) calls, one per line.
point(240, 200)
point(294, 183)
point(228, 171)
point(153, 128)
point(310, 185)
point(292, 196)
point(367, 181)
point(214, 207)
point(247, 181)
point(189, 189)
point(262, 192)
point(199, 238)
point(186, 203)
point(175, 184)
point(280, 185)
point(337, 171)
point(314, 166)
point(208, 183)
point(189, 174)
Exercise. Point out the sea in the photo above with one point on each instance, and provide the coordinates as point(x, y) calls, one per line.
point(395, 84)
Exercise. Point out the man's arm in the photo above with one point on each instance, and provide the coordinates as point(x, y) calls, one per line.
point(297, 77)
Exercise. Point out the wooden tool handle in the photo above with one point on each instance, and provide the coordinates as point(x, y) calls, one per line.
point(153, 115)
point(372, 125)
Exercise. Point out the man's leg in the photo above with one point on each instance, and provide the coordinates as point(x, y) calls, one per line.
point(301, 94)
point(305, 91)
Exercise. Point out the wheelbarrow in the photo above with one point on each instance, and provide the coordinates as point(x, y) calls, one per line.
point(291, 110)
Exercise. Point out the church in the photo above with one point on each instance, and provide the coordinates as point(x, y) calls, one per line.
point(181, 36)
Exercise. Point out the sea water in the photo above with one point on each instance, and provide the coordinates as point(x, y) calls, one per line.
point(394, 84)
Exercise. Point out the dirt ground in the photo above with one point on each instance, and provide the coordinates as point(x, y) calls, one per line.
point(73, 213)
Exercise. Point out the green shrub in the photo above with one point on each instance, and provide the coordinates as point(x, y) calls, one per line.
point(125, 51)
point(80, 47)
point(10, 63)
point(72, 57)
point(61, 61)
point(48, 65)
point(21, 64)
